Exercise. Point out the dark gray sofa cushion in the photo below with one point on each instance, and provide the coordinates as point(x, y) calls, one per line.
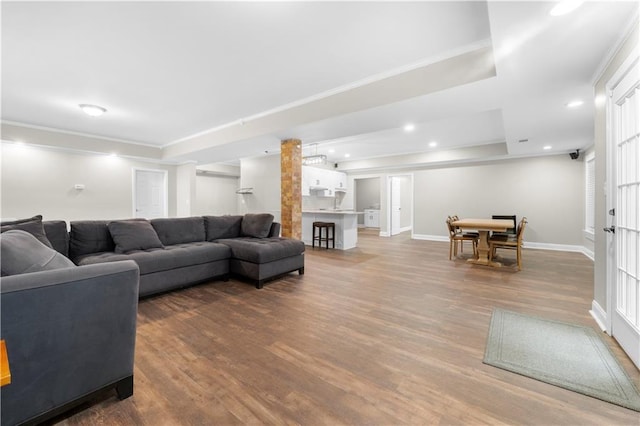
point(21, 253)
point(56, 232)
point(89, 236)
point(263, 250)
point(218, 227)
point(256, 225)
point(130, 235)
point(171, 257)
point(32, 225)
point(179, 230)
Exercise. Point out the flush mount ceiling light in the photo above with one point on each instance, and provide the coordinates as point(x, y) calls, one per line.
point(315, 159)
point(433, 144)
point(564, 7)
point(409, 127)
point(92, 110)
point(546, 147)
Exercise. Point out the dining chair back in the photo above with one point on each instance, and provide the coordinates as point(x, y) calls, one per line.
point(511, 242)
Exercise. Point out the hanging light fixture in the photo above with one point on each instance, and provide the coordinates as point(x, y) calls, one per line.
point(315, 159)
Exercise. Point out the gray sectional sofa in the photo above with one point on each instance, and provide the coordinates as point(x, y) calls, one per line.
point(70, 330)
point(173, 253)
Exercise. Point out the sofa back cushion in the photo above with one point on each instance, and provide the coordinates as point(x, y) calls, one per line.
point(179, 230)
point(219, 227)
point(256, 225)
point(32, 225)
point(21, 253)
point(130, 235)
point(57, 234)
point(89, 236)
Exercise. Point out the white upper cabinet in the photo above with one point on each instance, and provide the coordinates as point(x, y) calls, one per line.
point(315, 177)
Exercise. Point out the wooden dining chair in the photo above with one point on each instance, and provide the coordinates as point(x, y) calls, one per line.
point(509, 242)
point(509, 231)
point(457, 237)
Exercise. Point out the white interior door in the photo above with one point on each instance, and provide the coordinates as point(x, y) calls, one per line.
point(624, 194)
point(150, 193)
point(396, 205)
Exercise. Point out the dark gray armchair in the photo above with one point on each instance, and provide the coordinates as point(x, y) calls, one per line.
point(70, 333)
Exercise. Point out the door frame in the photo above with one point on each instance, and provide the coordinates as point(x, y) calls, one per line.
point(134, 174)
point(611, 185)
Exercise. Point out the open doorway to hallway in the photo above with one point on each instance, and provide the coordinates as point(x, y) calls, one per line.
point(400, 204)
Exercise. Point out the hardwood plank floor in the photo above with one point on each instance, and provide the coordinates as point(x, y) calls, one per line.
point(391, 332)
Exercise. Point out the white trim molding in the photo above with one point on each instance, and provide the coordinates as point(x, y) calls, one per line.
point(599, 315)
point(530, 245)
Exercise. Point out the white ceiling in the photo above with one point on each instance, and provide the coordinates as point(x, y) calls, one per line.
point(173, 72)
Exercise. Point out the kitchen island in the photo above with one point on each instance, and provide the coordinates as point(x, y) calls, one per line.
point(346, 226)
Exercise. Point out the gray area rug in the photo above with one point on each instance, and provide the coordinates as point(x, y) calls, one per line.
point(566, 355)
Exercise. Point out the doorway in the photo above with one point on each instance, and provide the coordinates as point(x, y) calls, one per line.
point(400, 196)
point(150, 188)
point(623, 205)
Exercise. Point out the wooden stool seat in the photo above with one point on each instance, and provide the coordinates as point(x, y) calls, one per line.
point(326, 226)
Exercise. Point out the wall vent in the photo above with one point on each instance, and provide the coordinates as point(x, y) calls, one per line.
point(523, 140)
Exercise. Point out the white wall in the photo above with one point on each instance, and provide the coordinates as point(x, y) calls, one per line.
point(40, 181)
point(216, 195)
point(263, 175)
point(549, 191)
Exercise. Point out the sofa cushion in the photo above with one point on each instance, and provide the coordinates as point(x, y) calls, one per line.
point(130, 235)
point(256, 225)
point(21, 252)
point(218, 227)
point(171, 257)
point(179, 230)
point(32, 225)
point(89, 236)
point(58, 236)
point(263, 250)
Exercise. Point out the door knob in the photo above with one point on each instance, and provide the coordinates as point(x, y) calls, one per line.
point(611, 229)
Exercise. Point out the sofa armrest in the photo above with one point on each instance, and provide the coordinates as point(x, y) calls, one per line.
point(275, 230)
point(68, 333)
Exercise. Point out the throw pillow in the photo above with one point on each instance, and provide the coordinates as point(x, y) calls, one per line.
point(32, 225)
point(219, 227)
point(21, 252)
point(179, 230)
point(129, 235)
point(256, 225)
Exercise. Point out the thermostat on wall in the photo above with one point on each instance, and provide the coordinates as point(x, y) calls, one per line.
point(79, 186)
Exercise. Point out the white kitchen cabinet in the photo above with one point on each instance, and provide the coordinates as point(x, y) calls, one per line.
point(314, 177)
point(371, 218)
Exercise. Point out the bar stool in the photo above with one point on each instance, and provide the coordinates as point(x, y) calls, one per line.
point(326, 226)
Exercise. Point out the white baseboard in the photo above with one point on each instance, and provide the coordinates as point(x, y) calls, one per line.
point(430, 237)
point(538, 246)
point(384, 234)
point(599, 315)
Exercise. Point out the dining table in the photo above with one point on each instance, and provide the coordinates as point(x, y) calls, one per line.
point(483, 226)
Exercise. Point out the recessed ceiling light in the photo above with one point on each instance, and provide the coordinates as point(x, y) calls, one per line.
point(433, 144)
point(564, 7)
point(409, 127)
point(347, 155)
point(574, 104)
point(546, 147)
point(331, 151)
point(92, 110)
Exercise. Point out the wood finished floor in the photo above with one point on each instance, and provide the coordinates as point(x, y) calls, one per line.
point(391, 332)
